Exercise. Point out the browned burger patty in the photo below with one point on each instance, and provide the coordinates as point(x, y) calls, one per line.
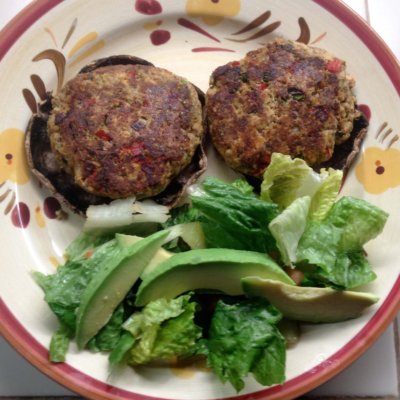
point(285, 97)
point(125, 130)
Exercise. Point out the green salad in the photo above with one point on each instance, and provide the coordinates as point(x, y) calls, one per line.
point(229, 276)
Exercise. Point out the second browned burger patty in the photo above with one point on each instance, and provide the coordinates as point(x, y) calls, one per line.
point(285, 97)
point(125, 130)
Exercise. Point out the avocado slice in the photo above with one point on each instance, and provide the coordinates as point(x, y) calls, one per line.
point(109, 287)
point(160, 256)
point(217, 269)
point(127, 240)
point(309, 304)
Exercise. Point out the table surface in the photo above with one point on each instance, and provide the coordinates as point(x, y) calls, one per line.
point(376, 374)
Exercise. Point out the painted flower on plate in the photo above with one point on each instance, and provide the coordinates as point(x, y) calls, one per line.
point(13, 165)
point(212, 11)
point(378, 169)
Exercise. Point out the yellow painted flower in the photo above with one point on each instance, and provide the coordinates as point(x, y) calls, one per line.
point(379, 169)
point(40, 217)
point(212, 11)
point(150, 26)
point(13, 165)
point(83, 41)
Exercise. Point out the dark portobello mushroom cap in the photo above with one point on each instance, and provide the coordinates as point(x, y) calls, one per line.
point(53, 171)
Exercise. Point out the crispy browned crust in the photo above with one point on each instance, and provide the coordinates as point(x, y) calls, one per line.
point(45, 163)
point(285, 97)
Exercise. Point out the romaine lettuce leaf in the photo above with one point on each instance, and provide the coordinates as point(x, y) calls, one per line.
point(163, 330)
point(119, 352)
point(219, 237)
point(326, 194)
point(63, 290)
point(84, 244)
point(238, 219)
point(288, 227)
point(284, 178)
point(351, 270)
point(287, 179)
point(269, 369)
point(358, 220)
point(59, 344)
point(243, 338)
point(334, 245)
point(181, 215)
point(243, 186)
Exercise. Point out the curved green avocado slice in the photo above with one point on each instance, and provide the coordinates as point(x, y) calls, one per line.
point(217, 269)
point(309, 304)
point(160, 255)
point(109, 287)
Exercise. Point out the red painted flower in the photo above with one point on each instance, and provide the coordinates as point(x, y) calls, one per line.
point(365, 110)
point(160, 36)
point(148, 7)
point(51, 207)
point(20, 215)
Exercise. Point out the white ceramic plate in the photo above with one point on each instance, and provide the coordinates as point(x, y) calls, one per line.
point(190, 38)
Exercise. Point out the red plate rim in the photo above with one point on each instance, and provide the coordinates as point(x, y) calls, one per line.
point(89, 387)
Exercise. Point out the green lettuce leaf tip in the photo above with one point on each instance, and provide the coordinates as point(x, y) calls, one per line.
point(288, 227)
point(163, 331)
point(233, 217)
point(244, 339)
point(334, 246)
point(287, 179)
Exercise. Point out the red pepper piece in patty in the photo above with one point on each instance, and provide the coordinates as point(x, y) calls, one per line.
point(334, 65)
point(103, 135)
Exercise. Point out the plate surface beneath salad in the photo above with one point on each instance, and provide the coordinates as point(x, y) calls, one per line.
point(171, 34)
